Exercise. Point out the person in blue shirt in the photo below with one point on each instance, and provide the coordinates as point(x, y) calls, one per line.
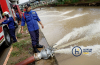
point(10, 22)
point(31, 18)
point(18, 17)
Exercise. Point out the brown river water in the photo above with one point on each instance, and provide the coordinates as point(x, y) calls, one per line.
point(63, 25)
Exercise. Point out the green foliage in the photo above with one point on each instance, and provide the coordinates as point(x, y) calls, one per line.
point(75, 1)
point(19, 35)
point(60, 0)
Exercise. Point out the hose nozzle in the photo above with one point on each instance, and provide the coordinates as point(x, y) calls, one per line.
point(47, 52)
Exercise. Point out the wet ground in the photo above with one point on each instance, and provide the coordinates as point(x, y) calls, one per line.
point(60, 21)
point(50, 61)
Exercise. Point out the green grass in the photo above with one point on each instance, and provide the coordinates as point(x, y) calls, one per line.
point(30, 48)
point(15, 53)
point(25, 27)
point(24, 42)
point(13, 63)
point(21, 47)
point(19, 35)
point(20, 44)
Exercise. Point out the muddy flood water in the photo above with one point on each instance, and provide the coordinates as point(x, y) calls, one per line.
point(63, 25)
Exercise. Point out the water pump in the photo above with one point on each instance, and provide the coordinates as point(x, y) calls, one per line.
point(44, 54)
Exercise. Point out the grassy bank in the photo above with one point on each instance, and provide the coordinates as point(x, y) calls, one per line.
point(21, 49)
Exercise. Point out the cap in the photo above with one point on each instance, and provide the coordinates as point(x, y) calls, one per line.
point(27, 5)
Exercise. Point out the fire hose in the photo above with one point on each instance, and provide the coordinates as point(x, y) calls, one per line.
point(44, 54)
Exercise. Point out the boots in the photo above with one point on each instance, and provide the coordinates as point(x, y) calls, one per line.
point(36, 50)
point(39, 46)
point(14, 41)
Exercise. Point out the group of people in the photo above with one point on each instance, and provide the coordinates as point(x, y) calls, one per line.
point(31, 18)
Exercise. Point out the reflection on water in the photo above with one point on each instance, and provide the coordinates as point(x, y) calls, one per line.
point(76, 21)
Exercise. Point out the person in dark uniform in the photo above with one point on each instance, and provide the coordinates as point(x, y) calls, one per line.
point(18, 18)
point(11, 26)
point(31, 18)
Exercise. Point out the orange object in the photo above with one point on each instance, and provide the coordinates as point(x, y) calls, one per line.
point(27, 61)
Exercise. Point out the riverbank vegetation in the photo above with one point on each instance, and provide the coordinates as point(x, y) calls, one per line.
point(75, 1)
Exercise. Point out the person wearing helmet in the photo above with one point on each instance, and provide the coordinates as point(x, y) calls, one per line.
point(9, 20)
point(31, 18)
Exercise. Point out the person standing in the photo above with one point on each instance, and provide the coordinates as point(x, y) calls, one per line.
point(19, 22)
point(31, 18)
point(10, 22)
point(18, 18)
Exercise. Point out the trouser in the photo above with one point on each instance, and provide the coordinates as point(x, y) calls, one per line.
point(12, 34)
point(34, 36)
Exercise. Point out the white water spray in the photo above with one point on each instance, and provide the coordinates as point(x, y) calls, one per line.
point(75, 16)
point(61, 15)
point(53, 16)
point(86, 31)
point(95, 50)
point(67, 12)
point(79, 40)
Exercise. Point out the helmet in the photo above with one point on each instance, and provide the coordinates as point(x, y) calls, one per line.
point(5, 13)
